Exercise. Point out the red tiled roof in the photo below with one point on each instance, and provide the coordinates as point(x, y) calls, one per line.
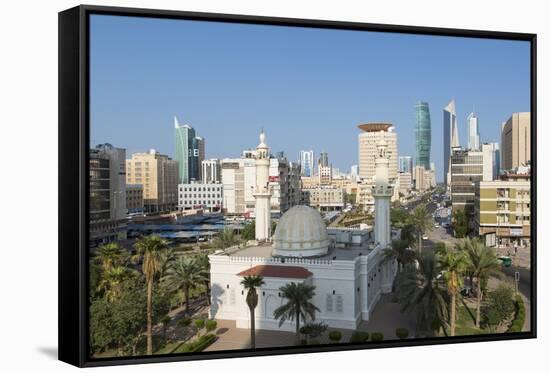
point(276, 271)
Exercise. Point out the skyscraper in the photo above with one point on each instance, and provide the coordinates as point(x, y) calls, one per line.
point(450, 138)
point(323, 159)
point(423, 133)
point(473, 132)
point(306, 158)
point(189, 152)
point(200, 156)
point(406, 164)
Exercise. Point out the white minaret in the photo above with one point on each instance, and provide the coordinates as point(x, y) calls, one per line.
point(262, 194)
point(382, 192)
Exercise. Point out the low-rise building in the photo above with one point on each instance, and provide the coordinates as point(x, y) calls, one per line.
point(405, 182)
point(503, 211)
point(326, 198)
point(200, 196)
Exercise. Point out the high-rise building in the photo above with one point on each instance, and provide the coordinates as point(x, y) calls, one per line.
point(516, 141)
point(211, 171)
point(491, 160)
point(323, 159)
point(354, 172)
point(189, 152)
point(200, 149)
point(307, 162)
point(466, 171)
point(423, 134)
point(371, 134)
point(473, 132)
point(405, 163)
point(107, 194)
point(450, 138)
point(159, 176)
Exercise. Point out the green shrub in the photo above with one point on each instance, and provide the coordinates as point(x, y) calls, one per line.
point(198, 345)
point(314, 342)
point(377, 337)
point(402, 333)
point(199, 323)
point(519, 319)
point(186, 321)
point(210, 325)
point(359, 337)
point(335, 336)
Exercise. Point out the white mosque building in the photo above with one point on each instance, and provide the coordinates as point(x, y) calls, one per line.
point(345, 265)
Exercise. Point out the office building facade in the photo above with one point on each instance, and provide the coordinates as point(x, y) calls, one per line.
point(211, 171)
point(307, 162)
point(189, 152)
point(205, 196)
point(423, 134)
point(516, 141)
point(159, 176)
point(371, 134)
point(405, 163)
point(503, 211)
point(107, 169)
point(472, 124)
point(134, 199)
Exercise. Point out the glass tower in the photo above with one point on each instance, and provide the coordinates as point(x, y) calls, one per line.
point(186, 152)
point(423, 133)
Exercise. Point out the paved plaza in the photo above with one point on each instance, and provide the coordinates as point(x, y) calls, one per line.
point(386, 318)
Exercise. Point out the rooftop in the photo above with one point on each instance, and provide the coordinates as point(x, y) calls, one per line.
point(276, 271)
point(375, 126)
point(334, 253)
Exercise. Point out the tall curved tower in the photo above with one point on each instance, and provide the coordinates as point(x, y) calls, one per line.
point(423, 133)
point(262, 194)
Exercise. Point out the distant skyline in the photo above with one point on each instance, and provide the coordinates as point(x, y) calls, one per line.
point(308, 88)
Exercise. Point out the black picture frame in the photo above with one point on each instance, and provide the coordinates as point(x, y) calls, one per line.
point(73, 180)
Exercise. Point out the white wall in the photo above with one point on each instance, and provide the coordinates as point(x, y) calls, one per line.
point(28, 32)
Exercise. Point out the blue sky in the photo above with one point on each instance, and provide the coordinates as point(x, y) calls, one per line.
point(308, 88)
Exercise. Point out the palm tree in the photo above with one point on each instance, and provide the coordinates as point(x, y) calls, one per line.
point(150, 251)
point(422, 221)
point(251, 283)
point(453, 264)
point(111, 282)
point(184, 273)
point(481, 262)
point(111, 255)
point(204, 264)
point(400, 252)
point(421, 290)
point(298, 305)
point(225, 239)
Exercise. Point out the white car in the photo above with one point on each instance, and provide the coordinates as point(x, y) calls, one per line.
point(424, 237)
